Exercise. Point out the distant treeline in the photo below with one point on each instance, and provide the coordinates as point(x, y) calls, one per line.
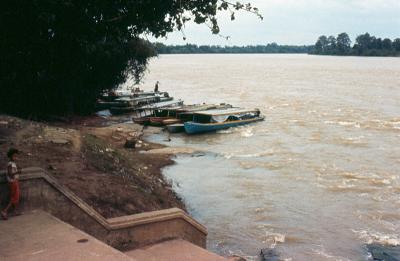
point(192, 48)
point(365, 45)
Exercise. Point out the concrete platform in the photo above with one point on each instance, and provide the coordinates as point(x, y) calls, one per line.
point(174, 250)
point(42, 191)
point(40, 236)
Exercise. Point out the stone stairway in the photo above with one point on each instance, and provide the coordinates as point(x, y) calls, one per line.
point(41, 191)
point(40, 236)
point(58, 225)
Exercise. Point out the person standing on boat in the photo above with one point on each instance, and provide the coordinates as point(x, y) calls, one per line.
point(156, 86)
point(12, 178)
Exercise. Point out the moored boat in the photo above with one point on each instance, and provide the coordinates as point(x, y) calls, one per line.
point(138, 103)
point(142, 120)
point(176, 128)
point(166, 115)
point(148, 110)
point(158, 121)
point(112, 96)
point(171, 121)
point(178, 114)
point(213, 120)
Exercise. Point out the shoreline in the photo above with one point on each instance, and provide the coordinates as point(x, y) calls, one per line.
point(87, 155)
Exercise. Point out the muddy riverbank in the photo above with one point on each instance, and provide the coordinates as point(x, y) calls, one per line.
point(88, 156)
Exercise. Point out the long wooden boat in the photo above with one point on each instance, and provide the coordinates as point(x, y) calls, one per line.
point(132, 107)
point(171, 121)
point(128, 102)
point(143, 114)
point(213, 120)
point(176, 128)
point(105, 105)
point(148, 110)
point(126, 94)
point(157, 121)
point(142, 120)
point(177, 114)
point(187, 115)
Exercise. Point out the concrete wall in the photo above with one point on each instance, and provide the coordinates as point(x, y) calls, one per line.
point(41, 191)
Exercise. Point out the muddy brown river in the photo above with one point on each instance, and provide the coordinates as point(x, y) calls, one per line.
point(318, 179)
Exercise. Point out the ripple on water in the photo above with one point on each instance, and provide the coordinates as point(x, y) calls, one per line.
point(383, 125)
point(358, 141)
point(390, 216)
point(348, 137)
point(375, 124)
point(272, 238)
point(388, 220)
point(343, 123)
point(355, 175)
point(322, 252)
point(263, 165)
point(370, 236)
point(238, 154)
point(358, 182)
point(247, 133)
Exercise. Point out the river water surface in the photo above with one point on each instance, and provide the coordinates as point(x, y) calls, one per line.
point(318, 179)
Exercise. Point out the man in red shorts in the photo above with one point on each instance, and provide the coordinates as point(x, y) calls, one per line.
point(12, 177)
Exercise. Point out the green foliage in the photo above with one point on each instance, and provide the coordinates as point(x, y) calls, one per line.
point(192, 48)
point(365, 45)
point(321, 45)
point(343, 44)
point(396, 44)
point(57, 56)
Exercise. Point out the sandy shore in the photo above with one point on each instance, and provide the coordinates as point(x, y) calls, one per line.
point(88, 156)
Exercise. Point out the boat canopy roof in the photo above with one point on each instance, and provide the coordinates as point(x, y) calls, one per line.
point(128, 99)
point(161, 104)
point(192, 107)
point(172, 108)
point(228, 111)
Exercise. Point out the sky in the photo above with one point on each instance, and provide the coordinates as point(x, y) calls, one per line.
point(298, 22)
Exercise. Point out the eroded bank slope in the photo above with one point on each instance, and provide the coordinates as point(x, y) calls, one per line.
point(91, 160)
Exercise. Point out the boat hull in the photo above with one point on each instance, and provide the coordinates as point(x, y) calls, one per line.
point(194, 127)
point(142, 120)
point(158, 121)
point(128, 109)
point(176, 128)
point(171, 121)
point(121, 110)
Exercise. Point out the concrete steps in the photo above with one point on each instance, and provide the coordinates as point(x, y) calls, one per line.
point(42, 191)
point(42, 237)
point(174, 250)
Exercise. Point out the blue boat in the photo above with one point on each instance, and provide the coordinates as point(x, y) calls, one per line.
point(213, 120)
point(176, 128)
